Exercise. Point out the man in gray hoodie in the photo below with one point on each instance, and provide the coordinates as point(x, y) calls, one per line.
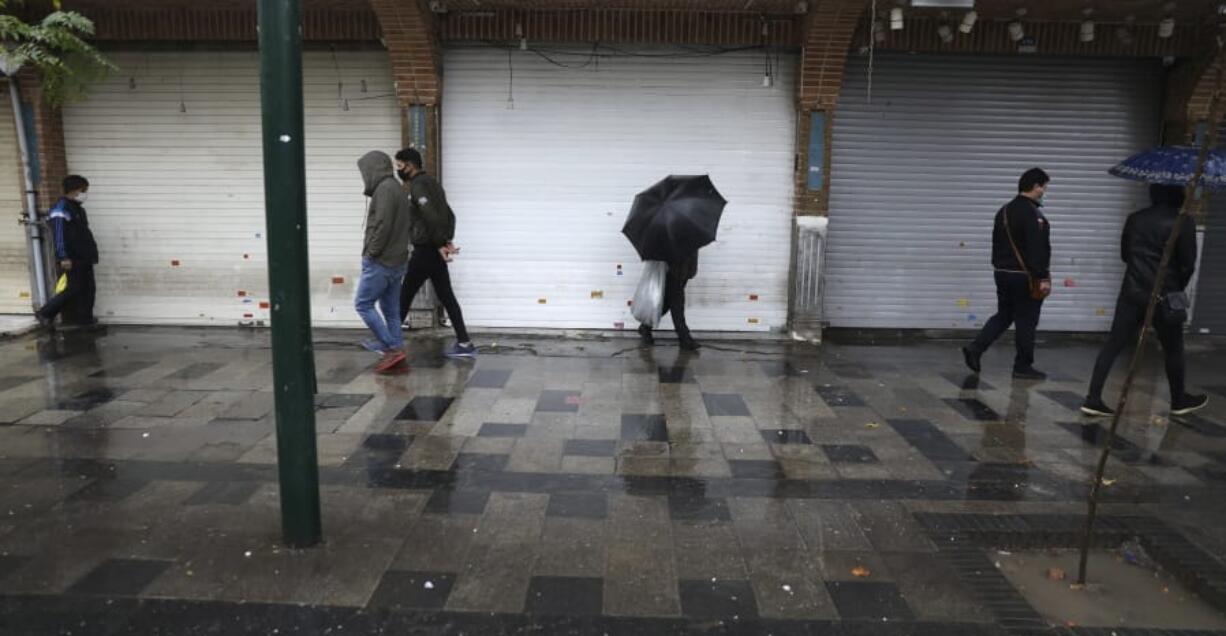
point(385, 255)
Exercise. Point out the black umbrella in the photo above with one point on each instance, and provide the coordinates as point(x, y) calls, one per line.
point(673, 218)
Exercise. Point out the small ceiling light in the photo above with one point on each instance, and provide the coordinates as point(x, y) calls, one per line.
point(896, 19)
point(968, 21)
point(946, 34)
point(1087, 31)
point(767, 82)
point(1016, 31)
point(1166, 28)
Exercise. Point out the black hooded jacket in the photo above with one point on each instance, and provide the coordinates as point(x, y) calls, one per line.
point(1145, 236)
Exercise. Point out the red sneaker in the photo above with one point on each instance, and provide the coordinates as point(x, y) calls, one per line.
point(390, 360)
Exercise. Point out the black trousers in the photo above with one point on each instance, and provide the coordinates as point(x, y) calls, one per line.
point(76, 302)
point(674, 303)
point(426, 264)
point(1125, 328)
point(1014, 306)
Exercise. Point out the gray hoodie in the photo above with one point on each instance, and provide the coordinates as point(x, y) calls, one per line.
point(388, 220)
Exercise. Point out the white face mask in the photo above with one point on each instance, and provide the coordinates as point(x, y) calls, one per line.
point(82, 197)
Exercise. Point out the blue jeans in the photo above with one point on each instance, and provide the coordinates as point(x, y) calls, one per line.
point(381, 284)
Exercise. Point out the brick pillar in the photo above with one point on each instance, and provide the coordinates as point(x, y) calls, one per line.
point(49, 142)
point(828, 32)
point(1192, 86)
point(410, 35)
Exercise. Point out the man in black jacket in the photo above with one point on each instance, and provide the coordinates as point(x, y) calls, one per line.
point(77, 254)
point(433, 230)
point(1026, 234)
point(1145, 235)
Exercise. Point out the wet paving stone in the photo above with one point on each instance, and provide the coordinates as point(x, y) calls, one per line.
point(930, 441)
point(676, 375)
point(647, 428)
point(849, 454)
point(552, 401)
point(425, 409)
point(725, 404)
point(869, 600)
point(784, 436)
point(457, 502)
point(756, 469)
point(401, 590)
point(973, 409)
point(630, 502)
point(717, 599)
point(838, 396)
point(968, 381)
point(565, 595)
point(489, 379)
point(578, 505)
point(195, 371)
point(119, 577)
point(226, 493)
point(502, 430)
point(592, 447)
point(1068, 399)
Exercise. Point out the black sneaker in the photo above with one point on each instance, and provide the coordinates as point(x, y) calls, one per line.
point(1029, 373)
point(645, 334)
point(1189, 404)
point(971, 358)
point(1096, 408)
point(689, 344)
point(45, 322)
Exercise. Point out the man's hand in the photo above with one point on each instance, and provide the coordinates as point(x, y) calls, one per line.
point(66, 264)
point(448, 251)
point(1045, 285)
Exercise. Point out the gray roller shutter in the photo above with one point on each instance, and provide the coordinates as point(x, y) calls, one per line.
point(920, 171)
point(1209, 311)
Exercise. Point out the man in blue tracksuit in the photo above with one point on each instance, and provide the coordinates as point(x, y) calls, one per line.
point(77, 254)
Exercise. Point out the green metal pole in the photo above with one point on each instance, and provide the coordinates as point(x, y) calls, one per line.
point(285, 205)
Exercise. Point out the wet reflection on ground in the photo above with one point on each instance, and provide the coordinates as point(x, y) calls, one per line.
point(566, 485)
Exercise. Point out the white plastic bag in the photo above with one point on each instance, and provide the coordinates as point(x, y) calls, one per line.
point(649, 297)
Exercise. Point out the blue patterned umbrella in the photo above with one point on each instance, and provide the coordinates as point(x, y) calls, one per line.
point(1173, 165)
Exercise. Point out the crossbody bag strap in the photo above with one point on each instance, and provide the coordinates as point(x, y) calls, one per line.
point(1009, 233)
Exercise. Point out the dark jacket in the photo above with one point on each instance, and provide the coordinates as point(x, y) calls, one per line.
point(70, 231)
point(685, 269)
point(433, 220)
point(389, 218)
point(1145, 236)
point(1032, 234)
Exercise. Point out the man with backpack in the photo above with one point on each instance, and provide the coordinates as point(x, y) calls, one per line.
point(432, 232)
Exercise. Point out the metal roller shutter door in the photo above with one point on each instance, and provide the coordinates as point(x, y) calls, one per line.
point(919, 173)
point(14, 250)
point(541, 190)
point(177, 198)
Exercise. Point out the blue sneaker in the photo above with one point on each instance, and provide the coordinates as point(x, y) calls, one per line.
point(373, 345)
point(458, 350)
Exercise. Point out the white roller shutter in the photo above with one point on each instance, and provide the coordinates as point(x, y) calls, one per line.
point(920, 171)
point(14, 251)
point(541, 190)
point(177, 194)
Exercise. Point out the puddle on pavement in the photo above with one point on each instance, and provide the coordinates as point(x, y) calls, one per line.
point(1121, 594)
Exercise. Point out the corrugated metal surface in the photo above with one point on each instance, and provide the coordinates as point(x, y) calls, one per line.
point(541, 190)
point(14, 251)
point(920, 171)
point(1209, 311)
point(177, 199)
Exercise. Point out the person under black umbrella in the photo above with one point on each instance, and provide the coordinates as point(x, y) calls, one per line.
point(670, 222)
point(680, 273)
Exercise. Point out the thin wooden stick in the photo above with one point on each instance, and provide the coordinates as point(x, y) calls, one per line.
point(1190, 201)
